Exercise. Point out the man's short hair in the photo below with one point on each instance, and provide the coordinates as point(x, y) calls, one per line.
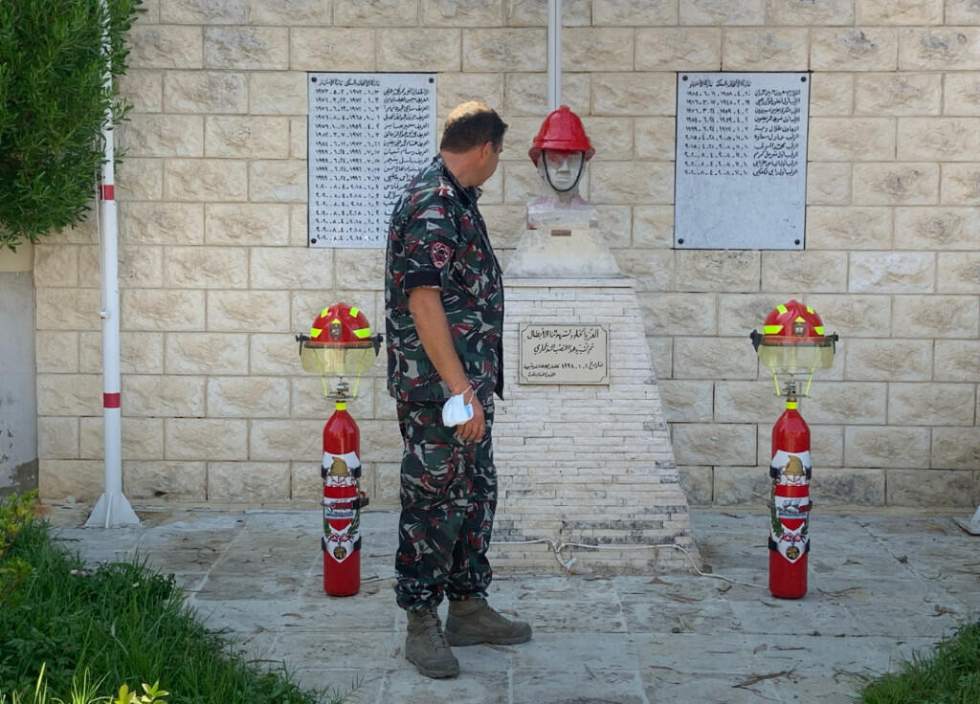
point(472, 124)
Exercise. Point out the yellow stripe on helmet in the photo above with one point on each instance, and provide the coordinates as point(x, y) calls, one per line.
point(772, 329)
point(781, 308)
point(323, 313)
point(354, 311)
point(315, 332)
point(818, 329)
point(362, 333)
point(809, 309)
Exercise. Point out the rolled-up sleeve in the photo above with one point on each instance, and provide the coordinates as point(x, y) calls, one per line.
point(430, 241)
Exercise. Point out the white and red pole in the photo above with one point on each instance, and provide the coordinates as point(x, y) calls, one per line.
point(113, 509)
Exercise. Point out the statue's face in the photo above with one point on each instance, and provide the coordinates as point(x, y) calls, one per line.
point(561, 170)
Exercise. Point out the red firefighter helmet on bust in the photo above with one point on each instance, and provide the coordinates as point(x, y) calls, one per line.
point(561, 131)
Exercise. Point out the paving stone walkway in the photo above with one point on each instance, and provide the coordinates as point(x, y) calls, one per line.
point(881, 588)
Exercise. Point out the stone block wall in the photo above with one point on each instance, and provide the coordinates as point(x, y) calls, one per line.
point(216, 274)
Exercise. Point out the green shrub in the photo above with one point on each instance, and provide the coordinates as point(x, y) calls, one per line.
point(52, 108)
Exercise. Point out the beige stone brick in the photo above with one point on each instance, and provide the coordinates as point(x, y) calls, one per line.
point(505, 223)
point(68, 308)
point(959, 272)
point(719, 12)
point(848, 402)
point(915, 487)
point(206, 439)
point(158, 46)
point(462, 13)
point(534, 13)
point(629, 183)
point(419, 50)
point(713, 443)
point(811, 12)
point(55, 266)
point(697, 484)
point(298, 231)
point(381, 441)
point(652, 269)
point(612, 137)
point(597, 49)
point(713, 358)
point(384, 404)
point(740, 486)
point(804, 271)
point(848, 486)
point(931, 404)
point(205, 180)
point(939, 49)
point(206, 353)
point(277, 181)
point(161, 223)
point(746, 402)
point(662, 356)
point(306, 305)
point(902, 12)
point(149, 13)
point(678, 313)
point(360, 268)
point(206, 267)
point(729, 271)
point(204, 12)
point(634, 93)
point(308, 400)
point(956, 448)
point(248, 311)
point(527, 93)
point(898, 94)
point(69, 394)
point(653, 226)
point(939, 138)
point(205, 92)
point(79, 479)
point(178, 481)
point(456, 88)
point(149, 309)
point(937, 228)
point(282, 440)
point(57, 438)
point(892, 272)
point(306, 485)
point(504, 50)
point(738, 313)
point(139, 267)
point(140, 353)
point(143, 90)
point(936, 316)
point(248, 397)
point(826, 444)
point(289, 12)
point(139, 179)
point(962, 93)
point(764, 49)
point(142, 438)
point(961, 184)
point(376, 13)
point(162, 135)
point(958, 360)
point(854, 49)
point(243, 48)
point(521, 179)
point(84, 232)
point(246, 137)
point(965, 12)
point(678, 49)
point(848, 228)
point(687, 401)
point(298, 128)
point(247, 224)
point(655, 138)
point(628, 13)
point(888, 360)
point(56, 351)
point(162, 396)
point(828, 184)
point(277, 93)
point(248, 482)
point(273, 354)
point(852, 139)
point(876, 446)
point(831, 94)
point(896, 184)
point(614, 225)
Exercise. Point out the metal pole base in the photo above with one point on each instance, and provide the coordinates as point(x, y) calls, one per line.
point(973, 525)
point(112, 511)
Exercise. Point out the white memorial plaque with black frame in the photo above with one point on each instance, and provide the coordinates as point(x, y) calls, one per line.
point(368, 135)
point(740, 169)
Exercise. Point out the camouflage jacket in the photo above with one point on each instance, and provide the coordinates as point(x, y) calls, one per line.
point(437, 237)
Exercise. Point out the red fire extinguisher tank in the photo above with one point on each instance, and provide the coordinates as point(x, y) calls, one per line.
point(342, 502)
point(790, 470)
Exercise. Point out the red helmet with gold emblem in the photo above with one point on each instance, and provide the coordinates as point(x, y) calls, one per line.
point(793, 340)
point(340, 325)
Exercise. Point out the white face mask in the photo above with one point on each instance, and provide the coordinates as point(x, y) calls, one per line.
point(456, 412)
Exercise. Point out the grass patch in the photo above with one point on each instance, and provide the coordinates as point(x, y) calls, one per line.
point(950, 676)
point(121, 623)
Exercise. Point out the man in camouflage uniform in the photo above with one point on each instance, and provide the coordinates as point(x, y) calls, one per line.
point(444, 305)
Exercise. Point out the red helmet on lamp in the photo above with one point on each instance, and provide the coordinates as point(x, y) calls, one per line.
point(561, 131)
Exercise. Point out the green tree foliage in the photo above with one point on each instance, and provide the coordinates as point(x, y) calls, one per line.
point(53, 103)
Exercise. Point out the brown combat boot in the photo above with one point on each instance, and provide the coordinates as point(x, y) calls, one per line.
point(472, 622)
point(426, 646)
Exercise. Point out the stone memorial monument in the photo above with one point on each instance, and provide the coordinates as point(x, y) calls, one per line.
point(582, 450)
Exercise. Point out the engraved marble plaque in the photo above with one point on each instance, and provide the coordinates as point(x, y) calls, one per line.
point(741, 160)
point(564, 354)
point(368, 135)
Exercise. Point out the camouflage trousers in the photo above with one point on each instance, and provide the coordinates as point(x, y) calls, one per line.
point(448, 497)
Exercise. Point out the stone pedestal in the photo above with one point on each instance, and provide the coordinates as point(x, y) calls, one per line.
point(586, 463)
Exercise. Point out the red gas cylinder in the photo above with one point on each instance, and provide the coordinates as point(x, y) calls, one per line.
point(789, 538)
point(342, 503)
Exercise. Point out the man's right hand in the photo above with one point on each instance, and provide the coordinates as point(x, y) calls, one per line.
point(475, 428)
